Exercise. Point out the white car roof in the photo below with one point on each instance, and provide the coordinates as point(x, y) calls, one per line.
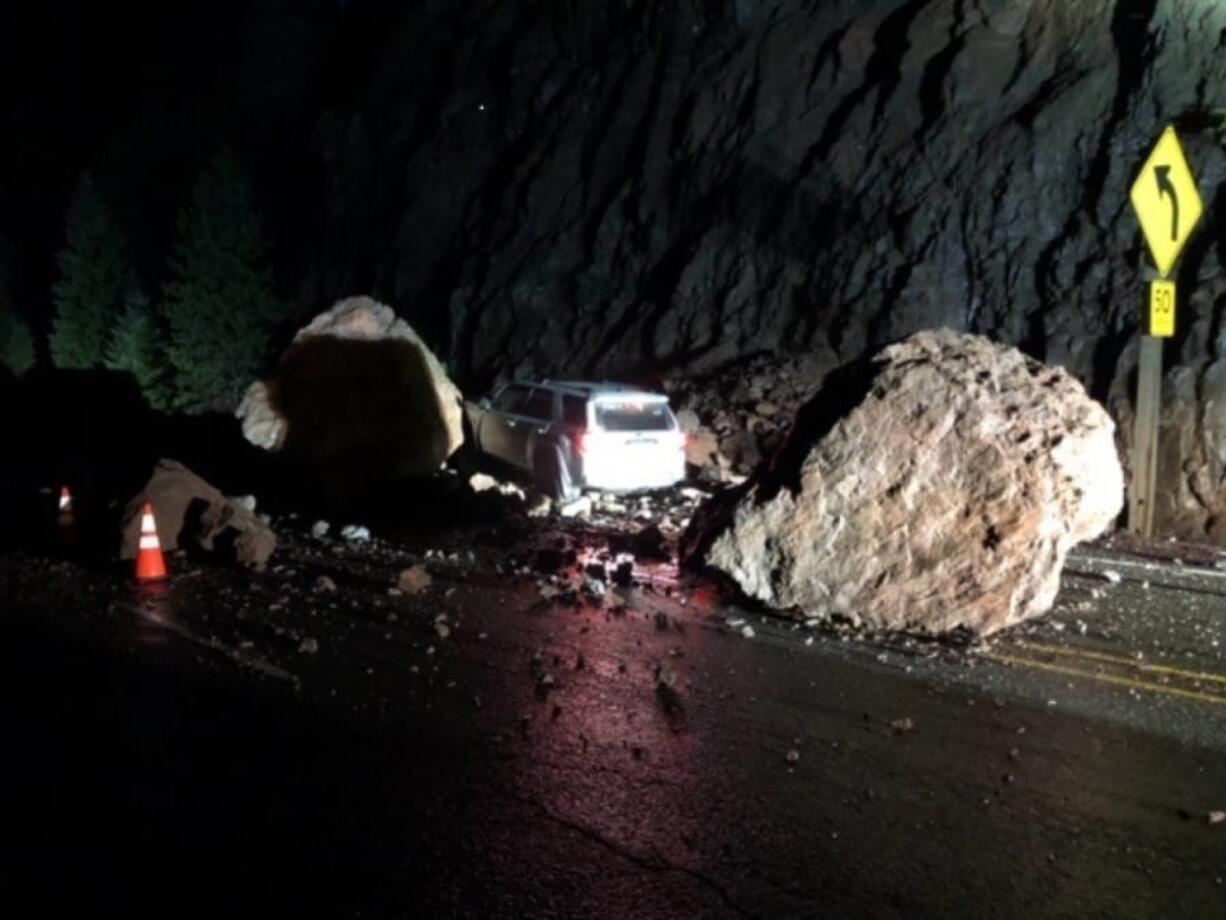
point(602, 389)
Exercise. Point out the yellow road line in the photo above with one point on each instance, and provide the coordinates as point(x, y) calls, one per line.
point(1109, 678)
point(1120, 659)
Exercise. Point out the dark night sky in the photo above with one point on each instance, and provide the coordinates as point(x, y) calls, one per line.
point(77, 76)
point(143, 96)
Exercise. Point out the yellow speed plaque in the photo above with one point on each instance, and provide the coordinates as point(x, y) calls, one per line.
point(1161, 309)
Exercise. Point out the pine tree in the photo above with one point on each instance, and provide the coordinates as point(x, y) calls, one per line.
point(219, 304)
point(135, 347)
point(94, 279)
point(16, 341)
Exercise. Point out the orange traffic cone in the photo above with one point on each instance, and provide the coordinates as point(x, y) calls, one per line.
point(150, 566)
point(66, 519)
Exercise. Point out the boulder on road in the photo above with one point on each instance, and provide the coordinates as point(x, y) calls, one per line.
point(939, 485)
point(190, 513)
point(358, 389)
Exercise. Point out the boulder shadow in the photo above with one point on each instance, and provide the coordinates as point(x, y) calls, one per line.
point(361, 414)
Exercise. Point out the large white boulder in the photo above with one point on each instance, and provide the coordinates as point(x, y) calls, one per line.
point(359, 389)
point(939, 486)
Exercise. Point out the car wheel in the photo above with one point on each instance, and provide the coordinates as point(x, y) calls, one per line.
point(551, 475)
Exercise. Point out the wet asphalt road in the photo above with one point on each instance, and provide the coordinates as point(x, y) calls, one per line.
point(477, 750)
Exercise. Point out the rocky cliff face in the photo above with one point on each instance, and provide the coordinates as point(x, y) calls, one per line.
point(644, 188)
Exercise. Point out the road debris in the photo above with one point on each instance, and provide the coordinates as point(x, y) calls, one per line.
point(666, 691)
point(580, 507)
point(483, 482)
point(623, 575)
point(414, 580)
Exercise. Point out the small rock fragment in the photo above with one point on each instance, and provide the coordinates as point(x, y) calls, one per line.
point(482, 482)
point(903, 725)
point(244, 501)
point(670, 699)
point(651, 543)
point(414, 580)
point(623, 575)
point(355, 533)
point(320, 529)
point(580, 507)
point(308, 646)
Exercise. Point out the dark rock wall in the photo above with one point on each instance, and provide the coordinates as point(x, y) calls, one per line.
point(639, 188)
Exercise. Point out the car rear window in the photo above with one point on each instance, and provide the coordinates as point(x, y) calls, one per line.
point(631, 416)
point(574, 411)
point(539, 405)
point(510, 399)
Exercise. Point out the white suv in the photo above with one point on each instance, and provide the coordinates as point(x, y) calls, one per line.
point(573, 435)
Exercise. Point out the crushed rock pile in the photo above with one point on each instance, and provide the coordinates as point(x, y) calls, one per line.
point(743, 412)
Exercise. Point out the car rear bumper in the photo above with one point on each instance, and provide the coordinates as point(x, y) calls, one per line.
point(656, 474)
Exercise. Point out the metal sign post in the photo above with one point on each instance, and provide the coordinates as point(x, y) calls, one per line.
point(1168, 207)
point(1145, 438)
